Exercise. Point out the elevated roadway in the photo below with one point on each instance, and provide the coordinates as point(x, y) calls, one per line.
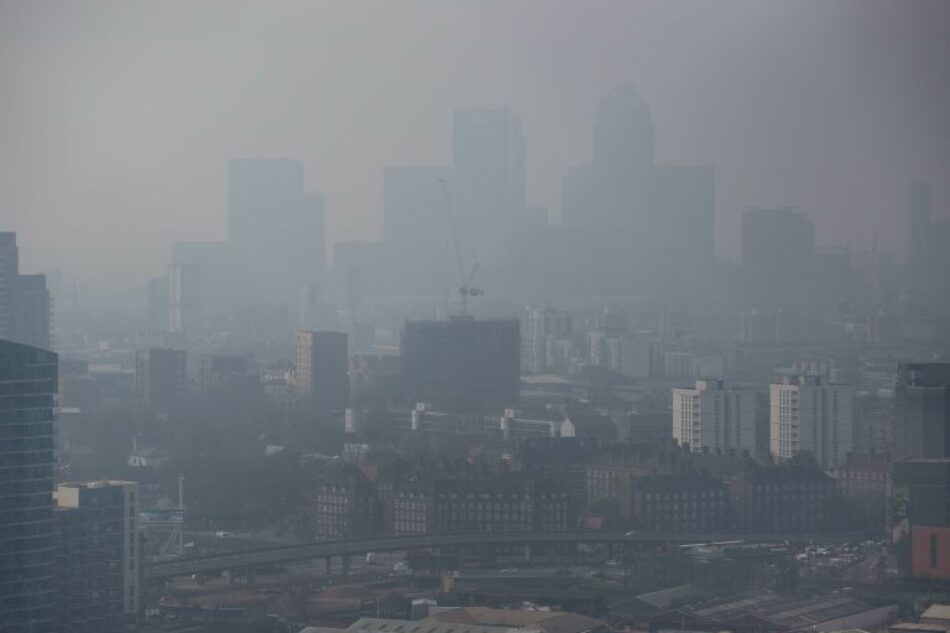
point(250, 558)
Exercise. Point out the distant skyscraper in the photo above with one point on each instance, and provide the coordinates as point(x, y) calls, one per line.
point(416, 229)
point(778, 247)
point(276, 230)
point(922, 425)
point(213, 259)
point(310, 315)
point(809, 415)
point(98, 556)
point(25, 304)
point(27, 574)
point(636, 226)
point(321, 369)
point(9, 271)
point(184, 298)
point(715, 417)
point(918, 219)
point(488, 184)
point(159, 377)
point(463, 362)
point(33, 312)
point(354, 267)
point(157, 299)
point(623, 134)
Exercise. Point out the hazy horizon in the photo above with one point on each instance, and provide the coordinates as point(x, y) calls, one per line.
point(120, 118)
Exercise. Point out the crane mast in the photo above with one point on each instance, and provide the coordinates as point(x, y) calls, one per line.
point(466, 289)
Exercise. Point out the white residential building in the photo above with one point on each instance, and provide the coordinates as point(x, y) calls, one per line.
point(810, 415)
point(715, 417)
point(543, 332)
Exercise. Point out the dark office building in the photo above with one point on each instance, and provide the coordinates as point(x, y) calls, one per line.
point(159, 377)
point(27, 384)
point(922, 421)
point(462, 363)
point(321, 369)
point(98, 556)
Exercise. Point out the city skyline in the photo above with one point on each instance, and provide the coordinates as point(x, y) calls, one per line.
point(749, 114)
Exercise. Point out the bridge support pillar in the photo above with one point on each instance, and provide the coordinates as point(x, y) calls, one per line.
point(251, 575)
point(527, 552)
point(329, 565)
point(345, 560)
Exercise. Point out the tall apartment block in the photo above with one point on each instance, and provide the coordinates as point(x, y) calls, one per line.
point(99, 559)
point(715, 417)
point(809, 415)
point(28, 378)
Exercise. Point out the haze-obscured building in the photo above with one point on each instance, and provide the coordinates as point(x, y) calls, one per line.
point(922, 424)
point(463, 362)
point(159, 377)
point(33, 322)
point(276, 231)
point(184, 298)
point(321, 369)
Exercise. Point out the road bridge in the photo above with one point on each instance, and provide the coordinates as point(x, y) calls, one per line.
point(250, 558)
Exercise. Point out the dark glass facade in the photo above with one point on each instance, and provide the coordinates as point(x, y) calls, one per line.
point(27, 384)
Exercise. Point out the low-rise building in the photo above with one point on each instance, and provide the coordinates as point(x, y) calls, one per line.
point(794, 497)
point(686, 503)
point(345, 506)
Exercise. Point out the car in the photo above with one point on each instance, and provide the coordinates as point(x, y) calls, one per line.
point(613, 563)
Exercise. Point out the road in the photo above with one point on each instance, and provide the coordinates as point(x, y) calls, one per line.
point(287, 553)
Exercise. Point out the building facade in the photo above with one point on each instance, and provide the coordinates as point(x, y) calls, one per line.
point(99, 557)
point(345, 506)
point(809, 415)
point(715, 417)
point(684, 504)
point(791, 498)
point(462, 363)
point(27, 574)
point(321, 369)
point(922, 424)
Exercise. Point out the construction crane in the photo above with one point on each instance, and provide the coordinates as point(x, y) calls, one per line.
point(466, 289)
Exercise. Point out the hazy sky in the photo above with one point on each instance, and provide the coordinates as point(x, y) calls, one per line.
point(117, 119)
